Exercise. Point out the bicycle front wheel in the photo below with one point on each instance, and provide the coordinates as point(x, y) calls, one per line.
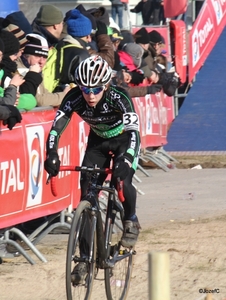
point(82, 238)
point(117, 279)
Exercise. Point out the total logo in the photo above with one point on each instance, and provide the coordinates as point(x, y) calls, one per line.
point(195, 47)
point(35, 144)
point(218, 10)
point(200, 38)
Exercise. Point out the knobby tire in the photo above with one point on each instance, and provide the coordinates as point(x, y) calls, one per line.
point(80, 291)
point(117, 279)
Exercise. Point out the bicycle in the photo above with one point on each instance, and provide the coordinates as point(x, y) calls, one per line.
point(103, 249)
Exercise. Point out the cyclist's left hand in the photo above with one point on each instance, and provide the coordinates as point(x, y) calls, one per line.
point(121, 170)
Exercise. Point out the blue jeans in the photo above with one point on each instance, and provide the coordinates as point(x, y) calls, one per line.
point(117, 10)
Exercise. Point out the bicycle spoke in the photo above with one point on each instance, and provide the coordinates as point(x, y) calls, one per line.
point(117, 279)
point(77, 253)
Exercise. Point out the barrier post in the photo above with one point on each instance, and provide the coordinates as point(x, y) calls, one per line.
point(159, 270)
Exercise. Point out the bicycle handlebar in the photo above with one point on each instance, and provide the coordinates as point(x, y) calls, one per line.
point(93, 170)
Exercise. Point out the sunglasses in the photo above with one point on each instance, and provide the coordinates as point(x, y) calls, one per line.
point(95, 91)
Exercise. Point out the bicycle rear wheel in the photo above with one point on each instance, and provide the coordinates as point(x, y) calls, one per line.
point(117, 279)
point(76, 250)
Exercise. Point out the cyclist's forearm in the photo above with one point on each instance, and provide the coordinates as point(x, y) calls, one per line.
point(59, 125)
point(134, 146)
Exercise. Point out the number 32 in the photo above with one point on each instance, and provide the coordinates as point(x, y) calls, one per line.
point(131, 121)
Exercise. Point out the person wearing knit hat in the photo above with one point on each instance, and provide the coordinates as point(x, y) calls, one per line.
point(32, 79)
point(157, 42)
point(49, 15)
point(155, 37)
point(34, 59)
point(135, 51)
point(81, 8)
point(49, 23)
point(11, 43)
point(36, 45)
point(142, 37)
point(18, 18)
point(78, 25)
point(11, 49)
point(19, 34)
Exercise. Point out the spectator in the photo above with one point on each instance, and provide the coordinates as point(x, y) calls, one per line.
point(117, 10)
point(142, 38)
point(49, 23)
point(79, 29)
point(78, 35)
point(35, 55)
point(18, 18)
point(170, 81)
point(143, 7)
point(87, 14)
point(156, 43)
point(9, 66)
point(10, 115)
point(9, 95)
point(100, 42)
point(132, 58)
point(18, 33)
point(154, 11)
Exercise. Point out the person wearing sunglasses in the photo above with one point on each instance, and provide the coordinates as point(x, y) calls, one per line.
point(114, 133)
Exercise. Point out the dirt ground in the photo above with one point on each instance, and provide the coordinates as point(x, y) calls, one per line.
point(197, 261)
point(190, 161)
point(196, 249)
point(206, 161)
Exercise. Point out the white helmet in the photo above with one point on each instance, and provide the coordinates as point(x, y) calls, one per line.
point(93, 71)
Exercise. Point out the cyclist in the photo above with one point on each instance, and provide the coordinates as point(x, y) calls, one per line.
point(114, 133)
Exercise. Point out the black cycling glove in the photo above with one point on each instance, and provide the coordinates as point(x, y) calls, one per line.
point(121, 169)
point(52, 163)
point(154, 88)
point(15, 117)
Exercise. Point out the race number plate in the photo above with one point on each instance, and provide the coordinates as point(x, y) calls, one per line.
point(131, 121)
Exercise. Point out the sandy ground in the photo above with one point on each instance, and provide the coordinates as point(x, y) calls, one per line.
point(194, 238)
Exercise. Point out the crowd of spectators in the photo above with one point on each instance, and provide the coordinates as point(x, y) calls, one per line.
point(25, 50)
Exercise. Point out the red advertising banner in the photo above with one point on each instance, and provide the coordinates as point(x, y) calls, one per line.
point(24, 193)
point(178, 31)
point(152, 111)
point(205, 33)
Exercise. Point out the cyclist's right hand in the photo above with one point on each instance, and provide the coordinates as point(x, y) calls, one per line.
point(52, 163)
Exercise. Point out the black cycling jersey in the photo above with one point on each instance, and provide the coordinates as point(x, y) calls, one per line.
point(113, 115)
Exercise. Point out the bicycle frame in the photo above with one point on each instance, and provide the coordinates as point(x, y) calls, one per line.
point(100, 249)
point(103, 236)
